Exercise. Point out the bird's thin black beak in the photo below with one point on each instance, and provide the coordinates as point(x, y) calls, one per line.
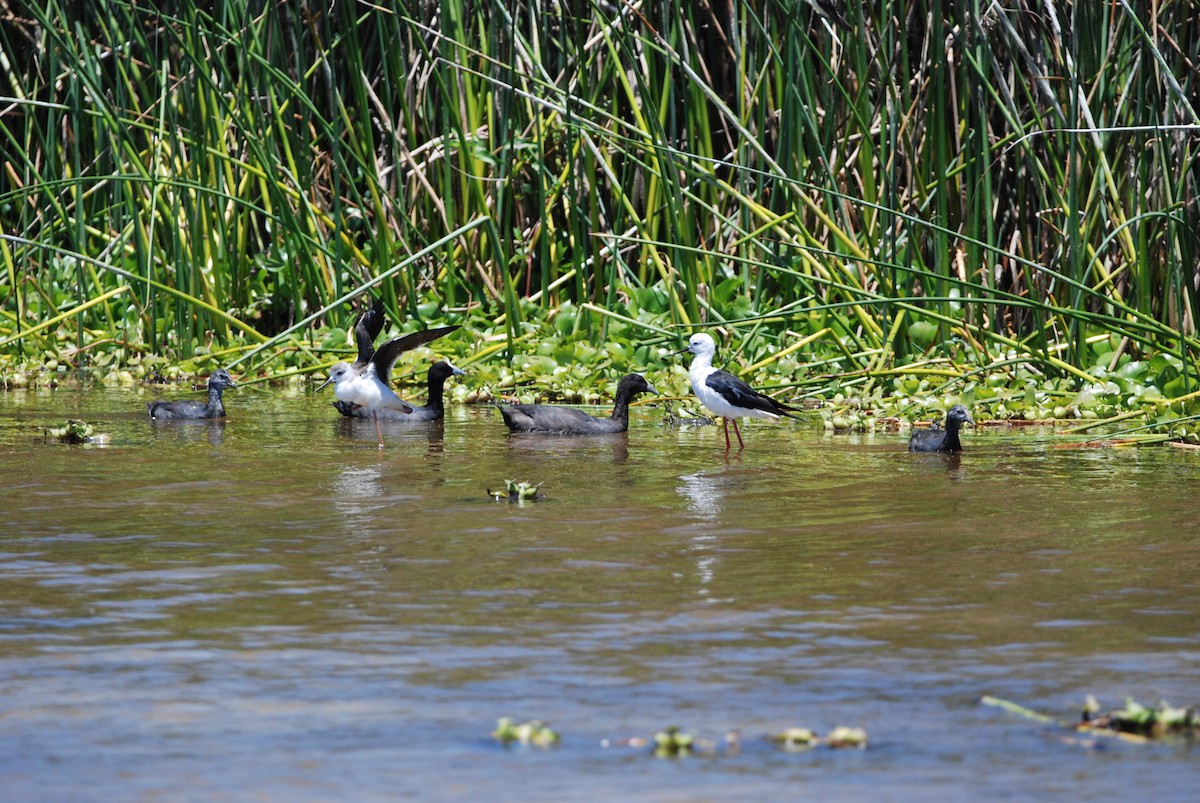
point(323, 384)
point(652, 389)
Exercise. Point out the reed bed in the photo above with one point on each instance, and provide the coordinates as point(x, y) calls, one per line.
point(910, 189)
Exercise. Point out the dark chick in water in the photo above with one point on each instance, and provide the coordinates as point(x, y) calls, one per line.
point(557, 419)
point(434, 409)
point(937, 439)
point(213, 408)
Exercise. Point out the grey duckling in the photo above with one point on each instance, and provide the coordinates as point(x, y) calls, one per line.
point(937, 439)
point(213, 408)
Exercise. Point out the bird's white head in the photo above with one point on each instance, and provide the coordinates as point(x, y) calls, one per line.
point(702, 345)
point(338, 372)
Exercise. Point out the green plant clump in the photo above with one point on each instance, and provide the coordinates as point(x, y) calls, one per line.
point(533, 732)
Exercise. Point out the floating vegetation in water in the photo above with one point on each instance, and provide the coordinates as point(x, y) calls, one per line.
point(803, 738)
point(518, 492)
point(685, 417)
point(1136, 718)
point(842, 736)
point(75, 431)
point(795, 738)
point(1133, 723)
point(673, 742)
point(534, 732)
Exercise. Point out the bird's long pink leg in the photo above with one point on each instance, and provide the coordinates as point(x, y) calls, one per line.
point(725, 422)
point(737, 432)
point(378, 429)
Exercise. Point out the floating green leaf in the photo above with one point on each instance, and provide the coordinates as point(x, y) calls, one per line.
point(534, 732)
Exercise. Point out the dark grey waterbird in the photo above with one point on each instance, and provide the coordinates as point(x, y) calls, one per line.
point(433, 409)
point(558, 419)
point(164, 410)
point(937, 439)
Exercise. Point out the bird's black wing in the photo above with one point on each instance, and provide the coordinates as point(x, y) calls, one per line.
point(369, 325)
point(386, 356)
point(927, 440)
point(553, 419)
point(737, 392)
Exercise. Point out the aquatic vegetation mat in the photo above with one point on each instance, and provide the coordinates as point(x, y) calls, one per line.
point(1133, 723)
point(518, 492)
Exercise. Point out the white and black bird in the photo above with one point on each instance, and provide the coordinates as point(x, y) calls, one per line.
point(434, 408)
point(363, 383)
point(938, 439)
point(726, 395)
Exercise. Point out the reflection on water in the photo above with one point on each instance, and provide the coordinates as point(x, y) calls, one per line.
point(190, 431)
point(579, 448)
point(326, 620)
point(702, 490)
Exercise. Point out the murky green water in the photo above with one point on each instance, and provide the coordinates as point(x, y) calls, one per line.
point(271, 608)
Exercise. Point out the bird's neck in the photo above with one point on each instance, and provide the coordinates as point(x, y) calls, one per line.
point(701, 363)
point(621, 407)
point(436, 393)
point(952, 441)
point(214, 398)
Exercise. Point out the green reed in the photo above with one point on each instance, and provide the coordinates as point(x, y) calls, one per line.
point(934, 176)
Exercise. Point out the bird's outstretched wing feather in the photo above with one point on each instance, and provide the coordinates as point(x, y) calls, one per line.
point(369, 325)
point(386, 356)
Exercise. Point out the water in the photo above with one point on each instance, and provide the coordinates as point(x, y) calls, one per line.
point(270, 608)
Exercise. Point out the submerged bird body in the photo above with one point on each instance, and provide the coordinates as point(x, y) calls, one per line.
point(194, 410)
point(557, 419)
point(942, 440)
point(726, 395)
point(433, 409)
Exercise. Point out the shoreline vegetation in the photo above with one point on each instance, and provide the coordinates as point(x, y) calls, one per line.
point(903, 206)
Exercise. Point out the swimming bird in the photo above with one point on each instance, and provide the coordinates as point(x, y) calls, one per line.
point(363, 387)
point(725, 394)
point(220, 379)
point(561, 420)
point(938, 439)
point(434, 408)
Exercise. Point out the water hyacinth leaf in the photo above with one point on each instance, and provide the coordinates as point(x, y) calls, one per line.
point(73, 431)
point(672, 742)
point(922, 333)
point(534, 732)
point(794, 738)
point(843, 736)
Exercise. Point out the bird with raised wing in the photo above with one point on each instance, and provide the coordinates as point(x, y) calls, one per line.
point(433, 410)
point(359, 384)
